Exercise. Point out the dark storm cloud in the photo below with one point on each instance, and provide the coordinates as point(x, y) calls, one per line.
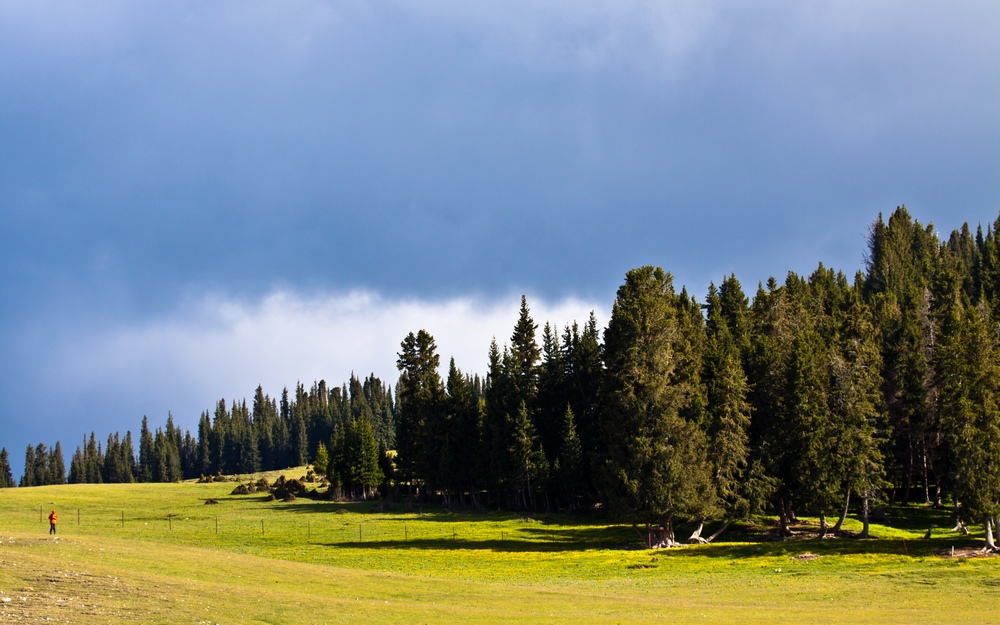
point(155, 154)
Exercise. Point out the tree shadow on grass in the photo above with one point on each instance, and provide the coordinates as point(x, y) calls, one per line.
point(312, 506)
point(552, 533)
point(459, 544)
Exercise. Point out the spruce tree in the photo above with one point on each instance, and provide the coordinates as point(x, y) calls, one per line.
point(6, 478)
point(41, 470)
point(462, 436)
point(420, 408)
point(56, 470)
point(77, 468)
point(127, 461)
point(322, 461)
point(147, 460)
point(740, 490)
point(529, 466)
point(570, 463)
point(28, 479)
point(656, 468)
point(969, 401)
point(369, 473)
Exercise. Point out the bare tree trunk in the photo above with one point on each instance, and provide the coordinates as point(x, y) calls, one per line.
point(960, 526)
point(720, 530)
point(864, 516)
point(668, 531)
point(823, 527)
point(843, 515)
point(696, 535)
point(990, 545)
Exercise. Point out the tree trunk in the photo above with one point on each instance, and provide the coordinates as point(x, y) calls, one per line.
point(823, 527)
point(843, 515)
point(923, 454)
point(783, 518)
point(864, 517)
point(696, 535)
point(909, 470)
point(990, 545)
point(720, 530)
point(667, 535)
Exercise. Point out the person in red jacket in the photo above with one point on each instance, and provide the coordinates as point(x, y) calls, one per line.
point(53, 517)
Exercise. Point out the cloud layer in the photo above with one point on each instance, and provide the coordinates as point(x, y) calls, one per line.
point(110, 375)
point(179, 180)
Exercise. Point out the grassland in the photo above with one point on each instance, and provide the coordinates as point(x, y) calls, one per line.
point(156, 553)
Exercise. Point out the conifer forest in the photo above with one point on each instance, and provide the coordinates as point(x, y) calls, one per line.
point(819, 394)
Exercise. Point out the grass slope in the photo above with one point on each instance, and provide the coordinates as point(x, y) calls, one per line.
point(316, 562)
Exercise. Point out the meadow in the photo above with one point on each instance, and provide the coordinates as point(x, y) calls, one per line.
point(157, 553)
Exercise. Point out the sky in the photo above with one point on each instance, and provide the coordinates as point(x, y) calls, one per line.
point(200, 197)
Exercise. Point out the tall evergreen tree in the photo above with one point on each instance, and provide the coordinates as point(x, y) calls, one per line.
point(6, 478)
point(656, 468)
point(56, 470)
point(420, 407)
point(147, 459)
point(28, 479)
point(969, 364)
point(529, 467)
point(569, 465)
point(742, 490)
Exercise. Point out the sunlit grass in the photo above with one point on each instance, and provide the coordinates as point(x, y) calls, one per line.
point(301, 560)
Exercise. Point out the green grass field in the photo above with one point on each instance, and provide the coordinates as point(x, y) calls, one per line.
point(175, 559)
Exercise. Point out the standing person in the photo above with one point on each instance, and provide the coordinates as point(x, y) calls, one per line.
point(53, 517)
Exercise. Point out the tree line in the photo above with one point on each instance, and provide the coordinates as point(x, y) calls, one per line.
point(818, 393)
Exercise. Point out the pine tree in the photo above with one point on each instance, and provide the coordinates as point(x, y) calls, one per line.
point(494, 462)
point(127, 461)
point(28, 479)
point(570, 462)
point(147, 459)
point(524, 357)
point(463, 438)
point(369, 473)
point(41, 470)
point(77, 468)
point(553, 392)
point(586, 369)
point(739, 489)
point(6, 478)
point(860, 424)
point(112, 470)
point(528, 463)
point(969, 400)
point(420, 408)
point(656, 468)
point(204, 462)
point(322, 461)
point(56, 470)
point(903, 258)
